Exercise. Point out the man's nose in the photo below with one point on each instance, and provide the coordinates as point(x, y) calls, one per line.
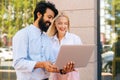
point(50, 19)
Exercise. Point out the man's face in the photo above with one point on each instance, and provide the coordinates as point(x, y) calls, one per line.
point(46, 20)
point(44, 25)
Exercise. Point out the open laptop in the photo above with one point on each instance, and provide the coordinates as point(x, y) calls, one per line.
point(80, 54)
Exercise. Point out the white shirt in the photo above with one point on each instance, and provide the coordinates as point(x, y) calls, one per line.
point(69, 39)
point(30, 45)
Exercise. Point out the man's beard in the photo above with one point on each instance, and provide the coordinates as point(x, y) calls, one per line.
point(44, 25)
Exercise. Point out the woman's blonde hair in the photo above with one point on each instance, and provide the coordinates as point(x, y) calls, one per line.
point(52, 29)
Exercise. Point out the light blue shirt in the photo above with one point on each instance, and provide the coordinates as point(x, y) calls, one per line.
point(68, 39)
point(30, 45)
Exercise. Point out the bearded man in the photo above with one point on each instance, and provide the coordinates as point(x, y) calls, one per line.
point(32, 52)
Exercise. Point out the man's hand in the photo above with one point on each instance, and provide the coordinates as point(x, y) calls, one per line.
point(47, 66)
point(50, 67)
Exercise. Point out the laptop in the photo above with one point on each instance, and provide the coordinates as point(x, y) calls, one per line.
point(80, 54)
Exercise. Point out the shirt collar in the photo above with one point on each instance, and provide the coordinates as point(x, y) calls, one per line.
point(37, 29)
point(56, 38)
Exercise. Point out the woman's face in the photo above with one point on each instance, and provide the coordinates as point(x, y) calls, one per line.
point(61, 25)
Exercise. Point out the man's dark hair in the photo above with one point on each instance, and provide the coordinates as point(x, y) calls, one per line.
point(42, 6)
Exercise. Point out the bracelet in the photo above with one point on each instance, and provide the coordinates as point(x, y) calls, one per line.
point(62, 71)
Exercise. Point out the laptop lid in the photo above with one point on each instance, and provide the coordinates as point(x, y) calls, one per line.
point(80, 54)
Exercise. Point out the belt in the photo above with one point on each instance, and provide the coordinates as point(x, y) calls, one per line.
point(45, 79)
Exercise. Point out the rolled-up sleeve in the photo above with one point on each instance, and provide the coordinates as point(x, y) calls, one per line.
point(21, 61)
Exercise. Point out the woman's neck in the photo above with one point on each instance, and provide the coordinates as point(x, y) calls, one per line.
point(60, 36)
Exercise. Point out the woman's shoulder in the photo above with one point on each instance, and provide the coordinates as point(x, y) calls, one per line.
point(72, 35)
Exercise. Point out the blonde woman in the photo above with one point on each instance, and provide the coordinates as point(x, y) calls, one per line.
point(60, 35)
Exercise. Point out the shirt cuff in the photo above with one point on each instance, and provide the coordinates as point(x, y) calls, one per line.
point(32, 65)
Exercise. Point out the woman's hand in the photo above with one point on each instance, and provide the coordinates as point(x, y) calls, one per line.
point(68, 68)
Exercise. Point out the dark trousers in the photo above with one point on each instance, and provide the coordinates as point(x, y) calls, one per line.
point(45, 79)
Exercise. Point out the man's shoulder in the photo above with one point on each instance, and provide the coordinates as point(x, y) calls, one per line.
point(22, 31)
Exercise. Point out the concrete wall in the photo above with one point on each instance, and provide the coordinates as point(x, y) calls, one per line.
point(83, 19)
